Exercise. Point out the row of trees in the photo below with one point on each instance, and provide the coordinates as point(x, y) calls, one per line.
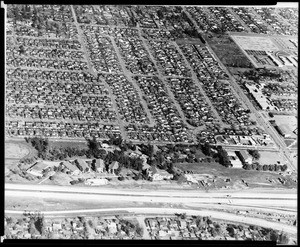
point(259, 167)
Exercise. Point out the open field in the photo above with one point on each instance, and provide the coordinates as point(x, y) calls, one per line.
point(228, 52)
point(268, 158)
point(64, 144)
point(259, 43)
point(16, 150)
point(252, 178)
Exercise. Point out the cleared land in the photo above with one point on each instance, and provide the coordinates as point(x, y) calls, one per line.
point(252, 178)
point(16, 150)
point(258, 43)
point(268, 158)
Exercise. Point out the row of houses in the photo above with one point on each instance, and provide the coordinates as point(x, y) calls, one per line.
point(192, 102)
point(161, 107)
point(101, 52)
point(28, 61)
point(73, 167)
point(127, 99)
point(170, 61)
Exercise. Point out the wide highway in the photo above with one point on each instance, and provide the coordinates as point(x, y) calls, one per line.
point(260, 198)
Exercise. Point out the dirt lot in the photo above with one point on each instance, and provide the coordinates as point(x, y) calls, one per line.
point(239, 178)
point(15, 150)
point(268, 158)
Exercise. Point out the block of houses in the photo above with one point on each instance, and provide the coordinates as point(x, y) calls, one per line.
point(113, 167)
point(244, 156)
point(99, 165)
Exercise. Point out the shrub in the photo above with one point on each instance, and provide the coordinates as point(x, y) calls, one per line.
point(284, 168)
point(271, 167)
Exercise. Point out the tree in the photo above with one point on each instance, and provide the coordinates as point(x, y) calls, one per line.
point(206, 149)
point(271, 167)
point(40, 223)
point(254, 153)
point(247, 167)
point(273, 235)
point(284, 168)
point(265, 167)
point(283, 238)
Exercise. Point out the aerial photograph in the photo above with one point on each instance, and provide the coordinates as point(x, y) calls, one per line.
point(151, 122)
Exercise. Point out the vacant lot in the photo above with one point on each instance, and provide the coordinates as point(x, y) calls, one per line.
point(15, 150)
point(253, 178)
point(269, 158)
point(260, 43)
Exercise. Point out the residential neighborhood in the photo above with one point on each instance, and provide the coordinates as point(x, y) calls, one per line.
point(147, 109)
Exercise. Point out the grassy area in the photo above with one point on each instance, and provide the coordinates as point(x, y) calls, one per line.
point(64, 144)
point(228, 52)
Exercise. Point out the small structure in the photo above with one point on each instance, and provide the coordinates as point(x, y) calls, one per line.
point(113, 167)
point(99, 165)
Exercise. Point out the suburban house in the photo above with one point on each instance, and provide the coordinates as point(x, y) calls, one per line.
point(113, 167)
point(82, 165)
point(72, 169)
point(234, 160)
point(99, 165)
point(244, 156)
